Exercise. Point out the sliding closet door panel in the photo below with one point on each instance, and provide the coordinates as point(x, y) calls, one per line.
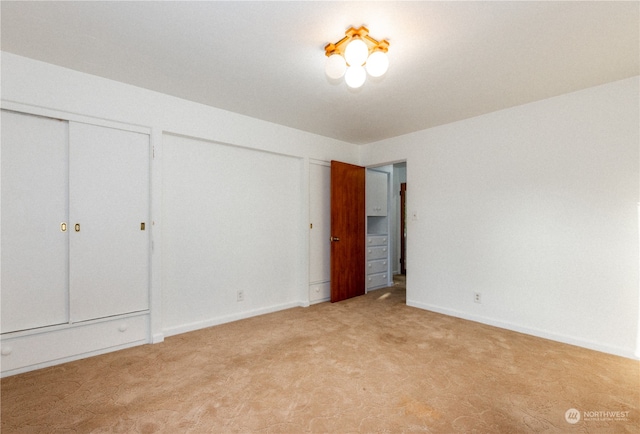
point(34, 207)
point(109, 212)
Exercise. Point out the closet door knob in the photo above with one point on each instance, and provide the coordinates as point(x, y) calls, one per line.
point(63, 227)
point(77, 227)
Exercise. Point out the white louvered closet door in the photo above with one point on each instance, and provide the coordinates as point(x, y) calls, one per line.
point(109, 221)
point(34, 251)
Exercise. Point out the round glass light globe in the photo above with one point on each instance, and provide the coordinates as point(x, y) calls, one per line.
point(356, 52)
point(355, 76)
point(377, 64)
point(335, 66)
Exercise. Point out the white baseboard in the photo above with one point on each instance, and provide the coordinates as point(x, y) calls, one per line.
point(596, 346)
point(171, 331)
point(320, 300)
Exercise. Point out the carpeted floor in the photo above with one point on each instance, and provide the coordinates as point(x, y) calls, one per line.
point(369, 364)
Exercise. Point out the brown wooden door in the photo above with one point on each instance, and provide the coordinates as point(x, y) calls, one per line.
point(347, 231)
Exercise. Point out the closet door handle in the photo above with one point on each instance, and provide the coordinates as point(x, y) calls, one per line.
point(63, 227)
point(77, 227)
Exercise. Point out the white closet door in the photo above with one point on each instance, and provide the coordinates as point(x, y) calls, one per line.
point(34, 204)
point(109, 201)
point(320, 216)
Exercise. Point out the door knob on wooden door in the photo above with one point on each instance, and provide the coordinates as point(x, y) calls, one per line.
point(334, 239)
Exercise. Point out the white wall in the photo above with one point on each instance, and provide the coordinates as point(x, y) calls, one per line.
point(535, 207)
point(210, 175)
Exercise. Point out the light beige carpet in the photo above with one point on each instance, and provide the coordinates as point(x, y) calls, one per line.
point(369, 364)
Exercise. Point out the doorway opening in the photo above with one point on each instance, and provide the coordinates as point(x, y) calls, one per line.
point(400, 228)
point(403, 228)
point(392, 220)
point(381, 258)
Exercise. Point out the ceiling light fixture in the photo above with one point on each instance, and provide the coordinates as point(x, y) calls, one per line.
point(355, 55)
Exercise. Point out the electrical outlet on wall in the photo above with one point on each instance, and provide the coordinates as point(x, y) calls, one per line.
point(240, 295)
point(476, 297)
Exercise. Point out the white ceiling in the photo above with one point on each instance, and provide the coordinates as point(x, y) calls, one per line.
point(448, 60)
